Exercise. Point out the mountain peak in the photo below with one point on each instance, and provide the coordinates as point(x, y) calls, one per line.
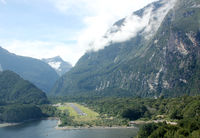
point(58, 64)
point(57, 58)
point(3, 50)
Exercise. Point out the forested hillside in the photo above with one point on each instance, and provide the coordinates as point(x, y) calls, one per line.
point(14, 89)
point(19, 99)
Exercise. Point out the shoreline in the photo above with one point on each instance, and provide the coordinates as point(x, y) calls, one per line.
point(4, 124)
point(8, 124)
point(88, 127)
point(139, 122)
point(93, 127)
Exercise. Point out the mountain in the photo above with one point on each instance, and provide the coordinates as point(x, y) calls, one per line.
point(19, 99)
point(58, 64)
point(33, 70)
point(14, 89)
point(158, 56)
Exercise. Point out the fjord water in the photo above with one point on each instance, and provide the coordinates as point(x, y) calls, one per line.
point(46, 129)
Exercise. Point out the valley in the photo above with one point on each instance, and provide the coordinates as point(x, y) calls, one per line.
point(139, 78)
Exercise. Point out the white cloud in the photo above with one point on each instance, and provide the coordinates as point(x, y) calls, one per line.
point(131, 26)
point(157, 17)
point(41, 49)
point(101, 14)
point(97, 16)
point(3, 1)
point(149, 21)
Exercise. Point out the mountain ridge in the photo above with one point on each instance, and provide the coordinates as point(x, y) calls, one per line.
point(34, 70)
point(166, 63)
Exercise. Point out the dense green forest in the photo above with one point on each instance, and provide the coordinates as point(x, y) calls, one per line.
point(183, 111)
point(14, 89)
point(186, 128)
point(146, 108)
point(19, 113)
point(19, 99)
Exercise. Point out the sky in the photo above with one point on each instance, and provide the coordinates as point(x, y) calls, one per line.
point(65, 28)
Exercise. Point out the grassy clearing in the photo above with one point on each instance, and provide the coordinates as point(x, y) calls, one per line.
point(90, 119)
point(62, 108)
point(90, 115)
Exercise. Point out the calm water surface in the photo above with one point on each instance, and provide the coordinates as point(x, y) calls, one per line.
point(46, 129)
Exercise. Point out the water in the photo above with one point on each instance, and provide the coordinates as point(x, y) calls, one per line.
point(46, 129)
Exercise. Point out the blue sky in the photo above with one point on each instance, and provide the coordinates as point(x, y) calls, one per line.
point(47, 28)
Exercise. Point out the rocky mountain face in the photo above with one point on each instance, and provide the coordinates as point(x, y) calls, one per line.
point(33, 70)
point(58, 64)
point(159, 55)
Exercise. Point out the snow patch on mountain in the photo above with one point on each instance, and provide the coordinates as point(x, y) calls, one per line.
point(58, 64)
point(55, 65)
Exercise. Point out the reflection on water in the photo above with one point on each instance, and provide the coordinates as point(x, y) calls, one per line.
point(46, 129)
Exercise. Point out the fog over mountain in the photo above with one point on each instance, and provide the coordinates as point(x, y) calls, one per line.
point(150, 53)
point(145, 21)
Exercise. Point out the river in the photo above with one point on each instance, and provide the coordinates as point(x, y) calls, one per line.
point(46, 129)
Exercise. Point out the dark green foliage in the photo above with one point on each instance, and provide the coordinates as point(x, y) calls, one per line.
point(19, 113)
point(183, 110)
point(67, 120)
point(146, 108)
point(146, 130)
point(185, 128)
point(33, 70)
point(18, 99)
point(186, 112)
point(134, 112)
point(13, 89)
point(192, 110)
point(49, 110)
point(176, 115)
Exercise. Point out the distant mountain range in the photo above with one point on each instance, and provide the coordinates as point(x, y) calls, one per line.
point(33, 70)
point(58, 64)
point(159, 55)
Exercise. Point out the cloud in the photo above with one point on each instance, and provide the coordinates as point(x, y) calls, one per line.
point(3, 1)
point(149, 22)
point(99, 16)
point(42, 49)
point(96, 20)
point(157, 17)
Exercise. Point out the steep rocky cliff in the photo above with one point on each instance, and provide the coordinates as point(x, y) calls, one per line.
point(162, 57)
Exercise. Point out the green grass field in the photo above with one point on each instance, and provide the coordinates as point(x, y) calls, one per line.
point(90, 115)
